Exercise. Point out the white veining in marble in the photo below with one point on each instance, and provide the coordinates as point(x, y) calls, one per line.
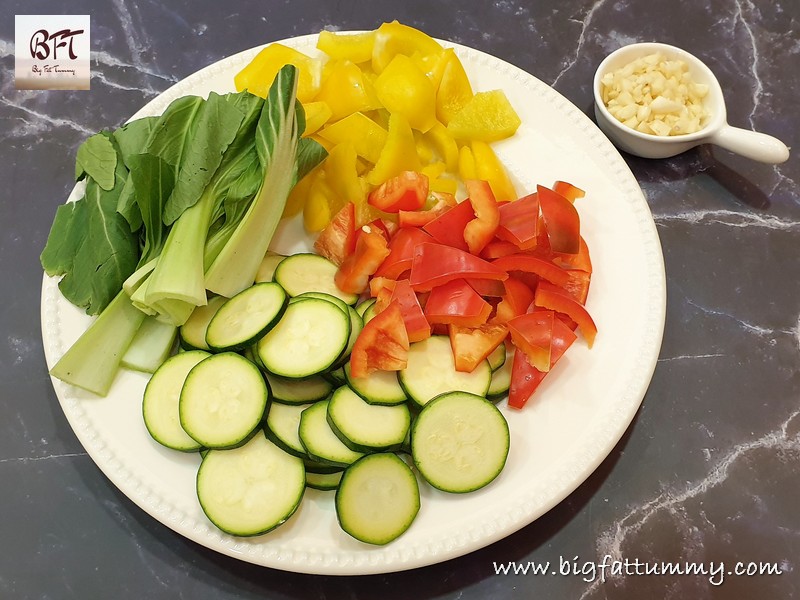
point(587, 19)
point(727, 217)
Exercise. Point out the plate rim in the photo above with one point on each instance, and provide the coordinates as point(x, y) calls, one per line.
point(354, 563)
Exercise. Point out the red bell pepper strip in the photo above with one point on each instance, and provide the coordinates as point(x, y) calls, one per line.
point(406, 191)
point(525, 378)
point(554, 299)
point(417, 325)
point(517, 298)
point(532, 333)
point(472, 345)
point(382, 345)
point(533, 264)
point(354, 273)
point(561, 220)
point(448, 228)
point(401, 252)
point(436, 264)
point(455, 302)
point(569, 191)
point(519, 221)
point(480, 230)
point(338, 240)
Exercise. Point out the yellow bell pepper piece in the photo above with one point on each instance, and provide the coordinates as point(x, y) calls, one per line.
point(259, 73)
point(434, 169)
point(341, 174)
point(317, 114)
point(394, 38)
point(489, 168)
point(425, 150)
point(447, 185)
point(445, 145)
point(454, 89)
point(488, 117)
point(346, 90)
point(433, 65)
point(296, 201)
point(367, 137)
point(403, 88)
point(355, 47)
point(398, 155)
point(466, 164)
point(317, 212)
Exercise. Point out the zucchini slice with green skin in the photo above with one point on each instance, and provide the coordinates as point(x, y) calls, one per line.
point(501, 380)
point(283, 427)
point(266, 270)
point(307, 340)
point(356, 325)
point(365, 427)
point(252, 489)
point(192, 334)
point(247, 317)
point(324, 481)
point(379, 387)
point(497, 358)
point(460, 442)
point(161, 398)
point(335, 376)
point(298, 391)
point(377, 499)
point(431, 371)
point(301, 273)
point(321, 443)
point(322, 296)
point(362, 307)
point(223, 400)
point(313, 466)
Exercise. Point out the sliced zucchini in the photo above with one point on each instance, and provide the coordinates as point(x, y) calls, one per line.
point(247, 317)
point(321, 443)
point(379, 387)
point(362, 307)
point(161, 398)
point(497, 358)
point(301, 273)
point(459, 442)
point(252, 489)
point(266, 270)
point(336, 376)
point(223, 400)
point(307, 340)
point(312, 466)
point(322, 296)
point(431, 371)
point(283, 427)
point(298, 391)
point(377, 499)
point(193, 332)
point(356, 325)
point(369, 313)
point(324, 481)
point(501, 380)
point(365, 427)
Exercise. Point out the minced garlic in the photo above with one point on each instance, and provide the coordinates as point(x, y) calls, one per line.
point(657, 96)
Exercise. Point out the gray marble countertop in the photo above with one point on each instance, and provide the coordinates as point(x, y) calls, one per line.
point(708, 472)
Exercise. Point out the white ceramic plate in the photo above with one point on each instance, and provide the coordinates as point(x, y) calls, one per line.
point(575, 419)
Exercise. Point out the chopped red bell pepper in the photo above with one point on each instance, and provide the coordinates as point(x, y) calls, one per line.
point(401, 252)
point(436, 264)
point(338, 240)
point(354, 273)
point(532, 333)
point(382, 345)
point(550, 297)
point(519, 221)
point(406, 191)
point(533, 264)
point(480, 230)
point(561, 220)
point(448, 228)
point(472, 345)
point(417, 325)
point(455, 302)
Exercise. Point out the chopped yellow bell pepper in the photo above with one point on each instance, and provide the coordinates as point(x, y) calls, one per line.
point(346, 90)
point(355, 47)
point(433, 65)
point(394, 38)
point(367, 137)
point(488, 117)
point(341, 174)
point(317, 114)
point(317, 212)
point(259, 73)
point(489, 168)
point(445, 145)
point(466, 164)
point(454, 89)
point(299, 194)
point(404, 89)
point(398, 155)
point(447, 185)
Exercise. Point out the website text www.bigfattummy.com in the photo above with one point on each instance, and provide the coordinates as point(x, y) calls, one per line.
point(609, 567)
